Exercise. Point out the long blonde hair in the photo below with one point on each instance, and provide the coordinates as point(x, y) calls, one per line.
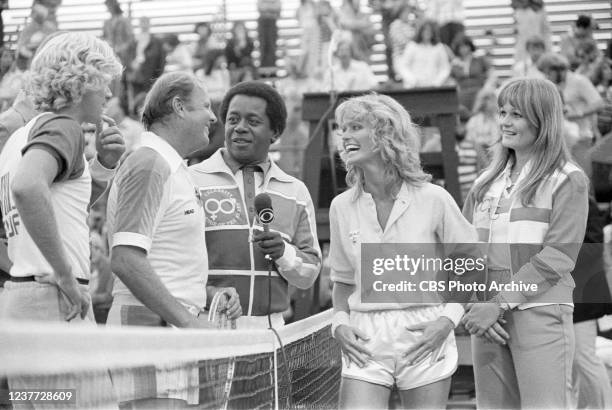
point(540, 103)
point(394, 134)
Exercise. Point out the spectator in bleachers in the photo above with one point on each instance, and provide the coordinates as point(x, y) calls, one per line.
point(425, 62)
point(389, 11)
point(449, 14)
point(3, 6)
point(469, 71)
point(216, 76)
point(238, 53)
point(306, 15)
point(582, 31)
point(530, 19)
point(604, 116)
point(348, 73)
point(51, 6)
point(471, 158)
point(12, 79)
point(217, 79)
point(582, 102)
point(34, 33)
point(269, 12)
point(205, 44)
point(294, 85)
point(149, 61)
point(129, 128)
point(483, 127)
point(527, 67)
point(178, 56)
point(352, 19)
point(593, 65)
point(118, 32)
point(19, 114)
point(294, 139)
point(328, 23)
point(402, 32)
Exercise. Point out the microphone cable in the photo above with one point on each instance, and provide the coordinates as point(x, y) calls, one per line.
point(263, 203)
point(289, 403)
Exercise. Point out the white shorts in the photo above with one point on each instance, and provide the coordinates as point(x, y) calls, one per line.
point(389, 341)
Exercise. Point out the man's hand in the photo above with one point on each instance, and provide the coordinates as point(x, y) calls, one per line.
point(109, 143)
point(351, 341)
point(431, 341)
point(480, 317)
point(230, 304)
point(270, 243)
point(78, 299)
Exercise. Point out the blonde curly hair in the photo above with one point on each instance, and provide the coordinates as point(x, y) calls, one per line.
point(66, 66)
point(393, 132)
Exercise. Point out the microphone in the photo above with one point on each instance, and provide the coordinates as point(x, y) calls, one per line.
point(265, 215)
point(264, 211)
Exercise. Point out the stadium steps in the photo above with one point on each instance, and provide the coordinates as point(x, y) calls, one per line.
point(489, 23)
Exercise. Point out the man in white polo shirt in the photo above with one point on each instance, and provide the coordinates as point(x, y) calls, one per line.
point(155, 219)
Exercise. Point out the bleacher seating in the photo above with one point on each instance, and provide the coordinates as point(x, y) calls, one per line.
point(490, 23)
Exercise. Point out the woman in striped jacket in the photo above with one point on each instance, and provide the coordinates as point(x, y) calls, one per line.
point(530, 206)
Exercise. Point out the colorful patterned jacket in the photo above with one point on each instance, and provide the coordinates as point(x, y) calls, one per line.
point(233, 259)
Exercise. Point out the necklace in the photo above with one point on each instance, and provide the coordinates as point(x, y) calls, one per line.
point(514, 174)
point(512, 180)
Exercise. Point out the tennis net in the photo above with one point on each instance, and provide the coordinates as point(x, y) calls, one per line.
point(138, 367)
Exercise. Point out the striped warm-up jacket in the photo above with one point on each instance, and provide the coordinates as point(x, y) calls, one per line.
point(544, 238)
point(234, 260)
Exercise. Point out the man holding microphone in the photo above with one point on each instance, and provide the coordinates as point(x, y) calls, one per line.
point(255, 117)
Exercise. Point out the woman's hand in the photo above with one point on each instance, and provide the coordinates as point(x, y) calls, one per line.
point(496, 333)
point(352, 343)
point(480, 317)
point(431, 341)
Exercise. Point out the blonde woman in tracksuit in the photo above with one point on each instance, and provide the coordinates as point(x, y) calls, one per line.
point(531, 207)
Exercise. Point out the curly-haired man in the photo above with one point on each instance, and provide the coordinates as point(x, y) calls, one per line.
point(46, 189)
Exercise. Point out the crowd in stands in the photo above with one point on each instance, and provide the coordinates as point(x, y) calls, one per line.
point(425, 46)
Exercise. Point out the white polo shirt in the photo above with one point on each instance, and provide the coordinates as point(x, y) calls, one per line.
point(426, 214)
point(153, 205)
